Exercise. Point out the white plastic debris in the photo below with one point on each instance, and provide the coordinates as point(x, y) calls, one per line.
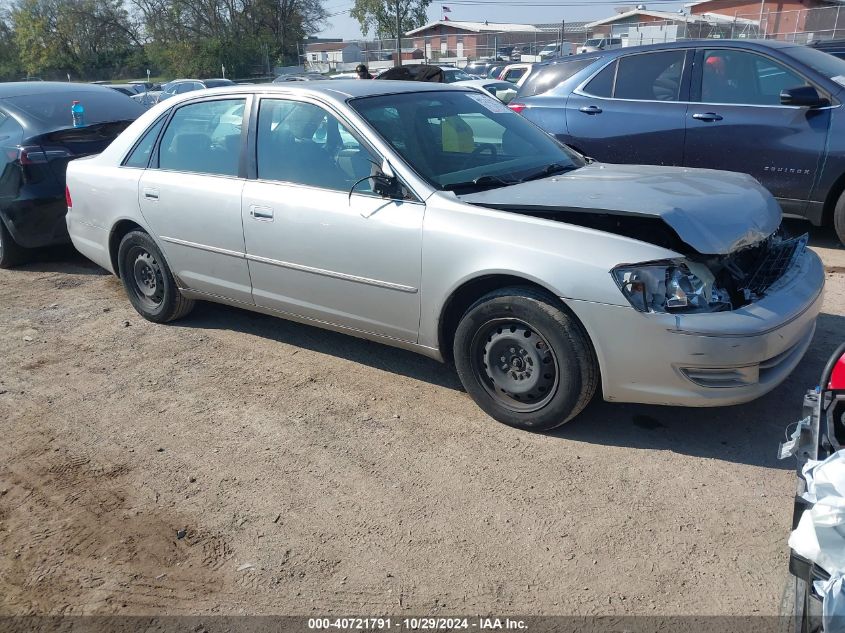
point(833, 603)
point(820, 535)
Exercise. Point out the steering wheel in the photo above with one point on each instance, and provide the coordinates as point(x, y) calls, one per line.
point(481, 147)
point(485, 146)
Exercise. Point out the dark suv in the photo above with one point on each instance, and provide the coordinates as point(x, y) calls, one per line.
point(768, 109)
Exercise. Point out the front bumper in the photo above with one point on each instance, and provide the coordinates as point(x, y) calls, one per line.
point(706, 360)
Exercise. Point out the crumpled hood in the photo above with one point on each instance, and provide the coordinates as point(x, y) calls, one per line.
point(714, 212)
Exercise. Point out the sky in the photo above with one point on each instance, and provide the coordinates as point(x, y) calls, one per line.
point(518, 11)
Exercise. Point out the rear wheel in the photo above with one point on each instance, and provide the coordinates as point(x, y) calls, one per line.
point(11, 253)
point(525, 359)
point(148, 280)
point(839, 218)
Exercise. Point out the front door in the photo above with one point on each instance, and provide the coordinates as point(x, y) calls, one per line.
point(633, 110)
point(191, 198)
point(320, 244)
point(739, 124)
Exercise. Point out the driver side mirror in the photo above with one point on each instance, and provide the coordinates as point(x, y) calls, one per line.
point(385, 182)
point(804, 96)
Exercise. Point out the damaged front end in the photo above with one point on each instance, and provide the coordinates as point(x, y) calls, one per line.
point(710, 283)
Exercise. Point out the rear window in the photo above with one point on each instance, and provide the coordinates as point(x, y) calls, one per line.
point(550, 77)
point(218, 83)
point(51, 110)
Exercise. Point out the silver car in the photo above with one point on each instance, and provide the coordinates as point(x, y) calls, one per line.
point(433, 218)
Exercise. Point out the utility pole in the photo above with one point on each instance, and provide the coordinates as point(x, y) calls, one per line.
point(398, 61)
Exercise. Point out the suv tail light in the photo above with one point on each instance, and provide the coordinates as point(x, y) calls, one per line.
point(516, 107)
point(68, 198)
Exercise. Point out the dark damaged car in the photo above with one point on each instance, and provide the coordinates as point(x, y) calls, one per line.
point(37, 140)
point(437, 220)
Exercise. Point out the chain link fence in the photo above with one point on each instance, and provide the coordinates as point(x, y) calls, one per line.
point(800, 26)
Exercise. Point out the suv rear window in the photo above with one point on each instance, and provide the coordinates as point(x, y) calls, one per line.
point(642, 77)
point(551, 76)
point(51, 110)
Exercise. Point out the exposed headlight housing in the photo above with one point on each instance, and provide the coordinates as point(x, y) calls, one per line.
point(671, 286)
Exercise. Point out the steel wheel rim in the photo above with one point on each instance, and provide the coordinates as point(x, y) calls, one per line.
point(145, 277)
point(515, 364)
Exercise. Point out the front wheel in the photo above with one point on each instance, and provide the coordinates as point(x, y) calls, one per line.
point(148, 280)
point(524, 359)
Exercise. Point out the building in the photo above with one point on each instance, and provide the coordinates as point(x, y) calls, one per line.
point(792, 20)
point(643, 26)
point(453, 39)
point(333, 53)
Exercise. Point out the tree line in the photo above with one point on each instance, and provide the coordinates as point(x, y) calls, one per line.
point(111, 39)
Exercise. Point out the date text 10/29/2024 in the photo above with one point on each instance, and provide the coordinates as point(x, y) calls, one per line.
point(417, 624)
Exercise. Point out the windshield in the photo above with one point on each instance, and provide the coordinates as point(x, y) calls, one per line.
point(451, 76)
point(831, 67)
point(464, 140)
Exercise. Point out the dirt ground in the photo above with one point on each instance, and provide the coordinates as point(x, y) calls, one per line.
point(316, 473)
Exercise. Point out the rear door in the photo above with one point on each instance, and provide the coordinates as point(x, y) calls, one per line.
point(191, 198)
point(739, 124)
point(633, 110)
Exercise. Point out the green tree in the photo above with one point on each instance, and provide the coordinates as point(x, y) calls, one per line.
point(197, 37)
point(380, 16)
point(10, 65)
point(86, 38)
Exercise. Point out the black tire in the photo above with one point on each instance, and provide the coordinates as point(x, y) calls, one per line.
point(11, 253)
point(546, 370)
point(148, 281)
point(839, 218)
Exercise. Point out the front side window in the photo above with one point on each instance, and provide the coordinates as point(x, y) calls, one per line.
point(304, 144)
point(464, 140)
point(744, 78)
point(204, 138)
point(650, 76)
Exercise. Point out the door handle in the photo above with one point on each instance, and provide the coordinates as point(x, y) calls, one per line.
point(707, 116)
point(591, 109)
point(151, 194)
point(261, 213)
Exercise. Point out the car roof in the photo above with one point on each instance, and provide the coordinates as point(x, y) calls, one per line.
point(749, 44)
point(339, 89)
point(25, 88)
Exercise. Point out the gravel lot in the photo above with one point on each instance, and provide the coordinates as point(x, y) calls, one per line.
point(316, 473)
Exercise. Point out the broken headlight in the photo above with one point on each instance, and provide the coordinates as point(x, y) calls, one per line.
point(671, 287)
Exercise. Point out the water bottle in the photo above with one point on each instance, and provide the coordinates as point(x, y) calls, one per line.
point(78, 113)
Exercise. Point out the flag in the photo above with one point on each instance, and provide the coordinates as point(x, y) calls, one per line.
point(445, 19)
point(446, 9)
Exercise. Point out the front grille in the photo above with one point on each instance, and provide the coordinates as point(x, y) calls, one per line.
point(774, 261)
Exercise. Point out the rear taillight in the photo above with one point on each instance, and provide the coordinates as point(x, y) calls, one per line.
point(516, 107)
point(68, 198)
point(36, 155)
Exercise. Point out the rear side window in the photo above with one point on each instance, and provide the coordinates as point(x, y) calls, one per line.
point(514, 75)
point(602, 84)
point(643, 77)
point(140, 156)
point(204, 138)
point(650, 77)
point(552, 76)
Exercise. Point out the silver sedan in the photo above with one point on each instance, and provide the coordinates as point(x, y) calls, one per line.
point(434, 219)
